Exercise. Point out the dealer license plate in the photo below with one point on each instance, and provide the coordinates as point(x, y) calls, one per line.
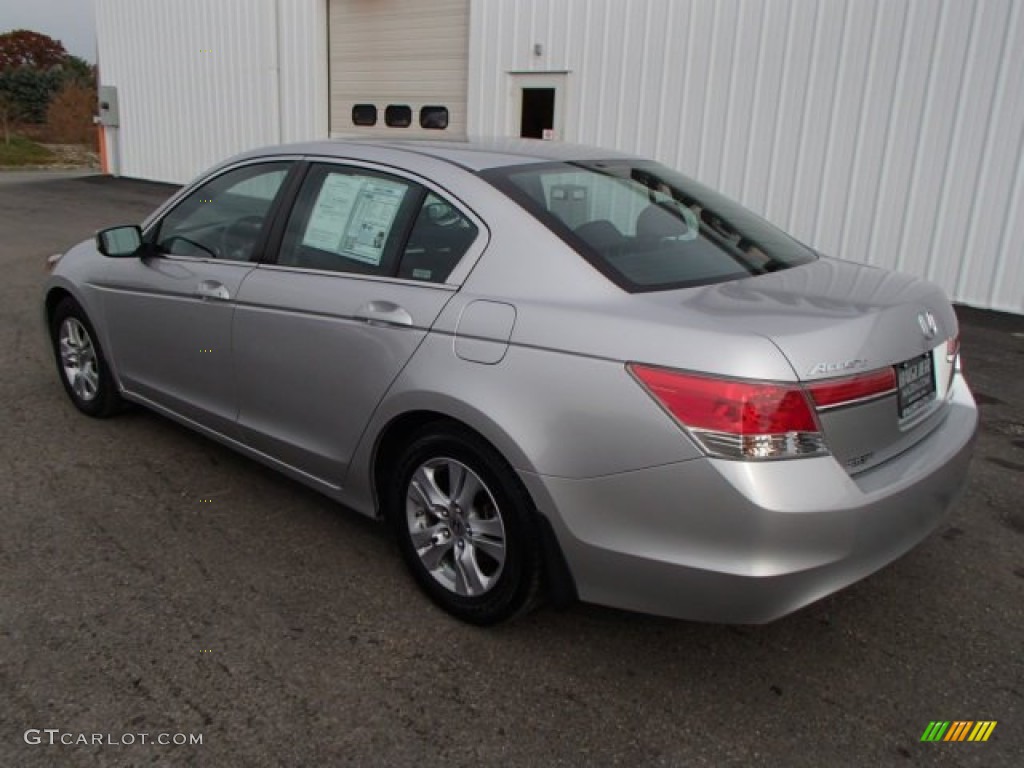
point(916, 381)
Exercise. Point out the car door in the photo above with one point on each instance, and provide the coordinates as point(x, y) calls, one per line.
point(321, 334)
point(169, 311)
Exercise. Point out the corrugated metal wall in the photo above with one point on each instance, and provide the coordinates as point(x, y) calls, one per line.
point(883, 131)
point(199, 80)
point(302, 33)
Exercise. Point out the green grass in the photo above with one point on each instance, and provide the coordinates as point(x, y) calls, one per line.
point(21, 151)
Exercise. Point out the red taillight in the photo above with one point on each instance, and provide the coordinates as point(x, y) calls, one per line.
point(739, 419)
point(725, 405)
point(849, 389)
point(953, 350)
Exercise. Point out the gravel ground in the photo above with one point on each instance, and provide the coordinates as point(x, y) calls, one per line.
point(66, 157)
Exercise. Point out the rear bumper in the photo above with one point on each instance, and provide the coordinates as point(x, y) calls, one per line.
point(739, 542)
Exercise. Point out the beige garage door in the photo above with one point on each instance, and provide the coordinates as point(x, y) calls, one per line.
point(401, 54)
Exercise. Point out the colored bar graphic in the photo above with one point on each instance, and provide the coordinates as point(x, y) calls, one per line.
point(935, 730)
point(982, 730)
point(958, 730)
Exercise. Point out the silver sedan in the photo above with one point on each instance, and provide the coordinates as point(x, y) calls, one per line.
point(554, 371)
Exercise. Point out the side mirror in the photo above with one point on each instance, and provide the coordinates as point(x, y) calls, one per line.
point(119, 242)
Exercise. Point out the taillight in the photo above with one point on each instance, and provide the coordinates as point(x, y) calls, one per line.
point(850, 389)
point(953, 351)
point(737, 419)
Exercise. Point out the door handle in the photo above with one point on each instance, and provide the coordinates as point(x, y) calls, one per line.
point(212, 289)
point(383, 313)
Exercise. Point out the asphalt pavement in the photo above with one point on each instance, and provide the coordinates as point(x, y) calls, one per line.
point(153, 582)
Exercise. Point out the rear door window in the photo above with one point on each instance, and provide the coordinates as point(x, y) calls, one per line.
point(361, 221)
point(439, 239)
point(350, 220)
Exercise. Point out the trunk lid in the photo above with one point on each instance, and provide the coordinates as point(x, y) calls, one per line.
point(833, 319)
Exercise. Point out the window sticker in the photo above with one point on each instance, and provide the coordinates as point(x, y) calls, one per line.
point(353, 216)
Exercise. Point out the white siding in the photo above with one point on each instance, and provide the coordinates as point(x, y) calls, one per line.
point(302, 36)
point(883, 131)
point(200, 80)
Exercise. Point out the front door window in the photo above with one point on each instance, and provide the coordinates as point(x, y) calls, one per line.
point(224, 218)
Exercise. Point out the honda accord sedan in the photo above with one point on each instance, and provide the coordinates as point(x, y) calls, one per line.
point(554, 371)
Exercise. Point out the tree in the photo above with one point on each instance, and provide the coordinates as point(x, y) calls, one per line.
point(78, 72)
point(9, 112)
point(28, 91)
point(33, 67)
point(25, 48)
point(69, 117)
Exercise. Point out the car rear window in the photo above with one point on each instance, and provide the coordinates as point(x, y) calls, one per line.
point(647, 227)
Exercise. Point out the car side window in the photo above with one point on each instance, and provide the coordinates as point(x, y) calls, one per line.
point(223, 218)
point(349, 220)
point(439, 239)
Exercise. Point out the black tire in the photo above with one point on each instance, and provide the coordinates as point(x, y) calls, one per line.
point(510, 588)
point(95, 394)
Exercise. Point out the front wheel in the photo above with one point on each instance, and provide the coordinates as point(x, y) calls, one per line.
point(80, 362)
point(465, 526)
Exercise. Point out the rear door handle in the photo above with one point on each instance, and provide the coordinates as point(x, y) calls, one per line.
point(212, 289)
point(383, 313)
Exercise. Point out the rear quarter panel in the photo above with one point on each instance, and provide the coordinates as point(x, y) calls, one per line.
point(546, 412)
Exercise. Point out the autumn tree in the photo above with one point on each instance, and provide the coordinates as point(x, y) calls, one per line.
point(25, 48)
point(69, 117)
point(34, 67)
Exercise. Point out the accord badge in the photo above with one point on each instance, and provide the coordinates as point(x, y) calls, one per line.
point(836, 367)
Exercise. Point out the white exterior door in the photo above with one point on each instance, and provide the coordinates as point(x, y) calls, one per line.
point(537, 105)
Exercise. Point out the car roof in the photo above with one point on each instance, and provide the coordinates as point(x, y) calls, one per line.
point(475, 154)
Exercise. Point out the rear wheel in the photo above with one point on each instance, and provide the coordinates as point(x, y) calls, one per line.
point(465, 526)
point(80, 362)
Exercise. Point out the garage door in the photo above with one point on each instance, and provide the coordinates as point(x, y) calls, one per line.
point(396, 65)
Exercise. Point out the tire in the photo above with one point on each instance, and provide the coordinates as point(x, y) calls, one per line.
point(81, 364)
point(465, 525)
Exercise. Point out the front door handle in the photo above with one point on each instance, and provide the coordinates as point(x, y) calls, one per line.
point(212, 289)
point(383, 313)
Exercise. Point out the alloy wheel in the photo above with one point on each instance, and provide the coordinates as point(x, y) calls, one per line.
point(455, 526)
point(78, 359)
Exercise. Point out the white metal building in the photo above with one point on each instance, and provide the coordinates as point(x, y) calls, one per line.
point(883, 131)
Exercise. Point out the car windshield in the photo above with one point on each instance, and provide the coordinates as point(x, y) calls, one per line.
point(647, 227)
